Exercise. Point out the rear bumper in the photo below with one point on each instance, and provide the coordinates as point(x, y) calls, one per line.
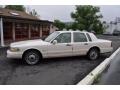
point(107, 50)
point(14, 54)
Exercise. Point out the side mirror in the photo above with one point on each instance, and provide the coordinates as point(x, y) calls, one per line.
point(54, 42)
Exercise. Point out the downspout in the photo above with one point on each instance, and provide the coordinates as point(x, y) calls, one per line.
point(1, 32)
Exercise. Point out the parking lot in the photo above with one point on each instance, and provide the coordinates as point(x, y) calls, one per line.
point(57, 71)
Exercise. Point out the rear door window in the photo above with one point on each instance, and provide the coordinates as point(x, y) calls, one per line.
point(79, 37)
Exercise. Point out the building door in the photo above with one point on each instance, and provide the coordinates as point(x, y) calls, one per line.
point(7, 31)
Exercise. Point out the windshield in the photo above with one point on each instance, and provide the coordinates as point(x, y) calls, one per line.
point(51, 36)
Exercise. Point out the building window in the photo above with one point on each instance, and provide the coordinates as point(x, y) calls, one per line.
point(14, 13)
point(21, 31)
point(35, 31)
point(45, 30)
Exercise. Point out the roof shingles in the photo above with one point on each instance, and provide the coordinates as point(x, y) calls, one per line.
point(23, 15)
point(19, 15)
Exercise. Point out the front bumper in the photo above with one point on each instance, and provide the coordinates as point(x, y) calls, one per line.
point(14, 54)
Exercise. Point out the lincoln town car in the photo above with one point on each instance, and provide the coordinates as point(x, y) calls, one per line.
point(60, 44)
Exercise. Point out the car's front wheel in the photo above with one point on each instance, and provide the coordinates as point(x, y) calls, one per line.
point(93, 54)
point(31, 57)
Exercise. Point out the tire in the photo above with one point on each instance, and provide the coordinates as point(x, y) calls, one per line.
point(32, 57)
point(93, 54)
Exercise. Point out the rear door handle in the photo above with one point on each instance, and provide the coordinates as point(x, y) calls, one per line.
point(68, 45)
point(85, 43)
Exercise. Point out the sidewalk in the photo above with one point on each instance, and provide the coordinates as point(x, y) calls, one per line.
point(111, 76)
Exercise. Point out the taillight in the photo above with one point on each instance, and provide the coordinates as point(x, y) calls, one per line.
point(111, 44)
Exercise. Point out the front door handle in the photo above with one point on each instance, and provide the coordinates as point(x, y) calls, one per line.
point(68, 45)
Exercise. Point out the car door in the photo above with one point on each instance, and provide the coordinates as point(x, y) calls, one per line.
point(80, 43)
point(63, 47)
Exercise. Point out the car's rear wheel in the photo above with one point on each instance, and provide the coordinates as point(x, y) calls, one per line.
point(93, 54)
point(31, 57)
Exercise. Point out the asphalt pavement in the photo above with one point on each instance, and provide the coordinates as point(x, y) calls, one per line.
point(57, 71)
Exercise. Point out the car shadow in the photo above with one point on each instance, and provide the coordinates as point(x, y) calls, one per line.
point(72, 59)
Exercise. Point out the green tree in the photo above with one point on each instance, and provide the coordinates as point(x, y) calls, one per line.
point(16, 7)
point(87, 17)
point(33, 12)
point(60, 25)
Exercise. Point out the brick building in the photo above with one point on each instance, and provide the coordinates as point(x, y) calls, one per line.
point(17, 26)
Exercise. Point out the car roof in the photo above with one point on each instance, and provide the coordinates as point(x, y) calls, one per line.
point(73, 31)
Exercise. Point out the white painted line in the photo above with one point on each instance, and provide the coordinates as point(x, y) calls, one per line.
point(89, 79)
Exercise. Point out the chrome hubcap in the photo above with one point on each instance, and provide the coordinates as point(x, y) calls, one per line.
point(93, 55)
point(32, 58)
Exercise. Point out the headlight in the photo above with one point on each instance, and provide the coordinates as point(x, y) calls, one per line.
point(14, 49)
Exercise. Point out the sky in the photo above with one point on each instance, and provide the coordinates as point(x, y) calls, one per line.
point(62, 12)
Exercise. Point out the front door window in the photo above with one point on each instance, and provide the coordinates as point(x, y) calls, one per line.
point(64, 38)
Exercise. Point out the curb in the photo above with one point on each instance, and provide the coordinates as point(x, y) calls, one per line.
point(89, 79)
point(1, 47)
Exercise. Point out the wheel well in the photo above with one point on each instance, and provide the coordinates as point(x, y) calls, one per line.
point(32, 50)
point(95, 47)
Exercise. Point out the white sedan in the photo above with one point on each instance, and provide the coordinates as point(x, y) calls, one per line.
point(60, 44)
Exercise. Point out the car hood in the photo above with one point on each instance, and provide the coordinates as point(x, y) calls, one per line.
point(29, 43)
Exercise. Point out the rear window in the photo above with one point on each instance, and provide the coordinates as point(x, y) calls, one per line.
point(89, 37)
